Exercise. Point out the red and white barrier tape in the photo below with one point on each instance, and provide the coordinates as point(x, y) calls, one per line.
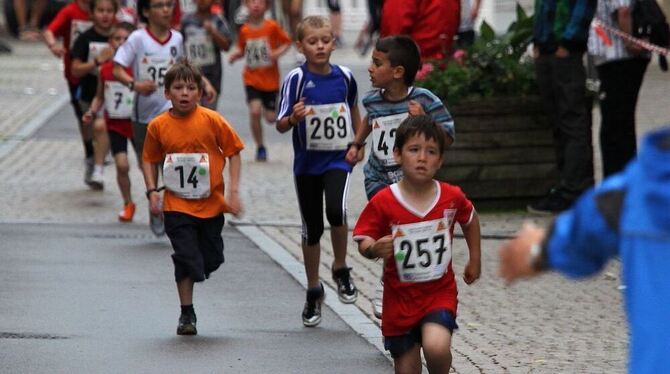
point(599, 27)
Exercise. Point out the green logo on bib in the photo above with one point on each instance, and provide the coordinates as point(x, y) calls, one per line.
point(334, 114)
point(202, 171)
point(400, 256)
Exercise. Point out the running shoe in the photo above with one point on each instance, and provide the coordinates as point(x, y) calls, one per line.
point(311, 313)
point(186, 324)
point(157, 222)
point(126, 215)
point(88, 170)
point(378, 300)
point(96, 181)
point(261, 154)
point(346, 290)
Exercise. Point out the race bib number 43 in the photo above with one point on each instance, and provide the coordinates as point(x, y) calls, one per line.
point(328, 127)
point(383, 137)
point(187, 175)
point(422, 250)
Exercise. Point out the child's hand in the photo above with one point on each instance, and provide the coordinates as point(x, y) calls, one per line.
point(383, 248)
point(299, 110)
point(154, 204)
point(208, 26)
point(105, 55)
point(234, 204)
point(145, 88)
point(57, 50)
point(472, 271)
point(87, 118)
point(352, 156)
point(234, 57)
point(415, 109)
point(209, 92)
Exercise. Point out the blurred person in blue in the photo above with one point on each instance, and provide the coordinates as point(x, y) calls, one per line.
point(628, 216)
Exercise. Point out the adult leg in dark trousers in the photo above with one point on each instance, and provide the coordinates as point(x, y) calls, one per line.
point(620, 82)
point(561, 82)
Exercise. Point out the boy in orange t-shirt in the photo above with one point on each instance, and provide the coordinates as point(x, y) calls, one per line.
point(261, 41)
point(194, 143)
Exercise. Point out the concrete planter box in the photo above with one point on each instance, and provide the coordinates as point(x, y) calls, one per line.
point(504, 154)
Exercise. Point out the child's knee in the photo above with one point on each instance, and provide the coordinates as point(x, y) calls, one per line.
point(255, 108)
point(122, 164)
point(270, 116)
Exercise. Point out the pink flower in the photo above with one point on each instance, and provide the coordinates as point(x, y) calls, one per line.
point(426, 68)
point(460, 56)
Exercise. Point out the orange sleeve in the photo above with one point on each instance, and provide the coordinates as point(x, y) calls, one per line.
point(280, 36)
point(242, 38)
point(152, 151)
point(229, 141)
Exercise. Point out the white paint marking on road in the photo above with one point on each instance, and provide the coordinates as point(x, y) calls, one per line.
point(27, 130)
point(349, 313)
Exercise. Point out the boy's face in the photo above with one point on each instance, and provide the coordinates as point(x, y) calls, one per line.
point(160, 12)
point(382, 74)
point(419, 158)
point(317, 44)
point(184, 96)
point(118, 37)
point(103, 14)
point(256, 8)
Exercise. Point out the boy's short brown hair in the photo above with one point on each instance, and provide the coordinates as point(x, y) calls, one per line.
point(420, 125)
point(183, 70)
point(315, 22)
point(401, 51)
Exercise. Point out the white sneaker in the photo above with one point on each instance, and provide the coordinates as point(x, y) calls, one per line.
point(96, 181)
point(157, 222)
point(89, 164)
point(378, 299)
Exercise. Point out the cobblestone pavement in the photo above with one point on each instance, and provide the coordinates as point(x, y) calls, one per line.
point(548, 326)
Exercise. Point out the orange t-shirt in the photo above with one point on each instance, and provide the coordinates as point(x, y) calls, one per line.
point(259, 71)
point(202, 131)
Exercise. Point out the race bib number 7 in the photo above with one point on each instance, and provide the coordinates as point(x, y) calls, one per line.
point(187, 175)
point(422, 250)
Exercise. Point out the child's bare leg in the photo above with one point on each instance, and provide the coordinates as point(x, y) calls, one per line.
point(339, 236)
point(409, 362)
point(270, 116)
point(436, 341)
point(255, 109)
point(122, 177)
point(101, 139)
point(311, 255)
point(185, 290)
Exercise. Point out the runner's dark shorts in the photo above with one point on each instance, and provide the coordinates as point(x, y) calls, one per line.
point(118, 143)
point(268, 98)
point(197, 244)
point(397, 345)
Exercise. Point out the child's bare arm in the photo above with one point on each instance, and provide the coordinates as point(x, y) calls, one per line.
point(150, 177)
point(221, 41)
point(353, 155)
point(472, 235)
point(96, 104)
point(235, 55)
point(234, 169)
point(278, 52)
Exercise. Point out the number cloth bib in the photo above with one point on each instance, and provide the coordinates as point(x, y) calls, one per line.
point(154, 68)
point(328, 127)
point(119, 100)
point(383, 137)
point(187, 174)
point(422, 250)
point(77, 27)
point(200, 48)
point(94, 49)
point(257, 53)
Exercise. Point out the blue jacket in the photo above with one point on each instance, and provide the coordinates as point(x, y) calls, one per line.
point(563, 23)
point(627, 215)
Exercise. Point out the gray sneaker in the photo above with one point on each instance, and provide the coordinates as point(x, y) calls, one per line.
point(311, 313)
point(88, 170)
point(157, 222)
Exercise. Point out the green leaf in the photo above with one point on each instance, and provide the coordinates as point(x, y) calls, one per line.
point(520, 13)
point(486, 32)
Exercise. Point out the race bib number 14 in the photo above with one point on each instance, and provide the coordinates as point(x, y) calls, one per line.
point(187, 175)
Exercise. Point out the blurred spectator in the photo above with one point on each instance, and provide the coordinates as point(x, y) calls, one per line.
point(29, 29)
point(366, 37)
point(431, 23)
point(292, 10)
point(335, 16)
point(466, 29)
point(621, 66)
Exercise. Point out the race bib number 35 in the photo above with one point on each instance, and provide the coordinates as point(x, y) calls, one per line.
point(422, 250)
point(154, 69)
point(187, 175)
point(328, 127)
point(383, 137)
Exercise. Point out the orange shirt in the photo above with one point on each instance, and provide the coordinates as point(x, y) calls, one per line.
point(257, 42)
point(202, 131)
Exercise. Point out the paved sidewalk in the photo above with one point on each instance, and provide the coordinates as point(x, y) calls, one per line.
point(548, 326)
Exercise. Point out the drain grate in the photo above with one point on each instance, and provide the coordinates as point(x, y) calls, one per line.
point(23, 335)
